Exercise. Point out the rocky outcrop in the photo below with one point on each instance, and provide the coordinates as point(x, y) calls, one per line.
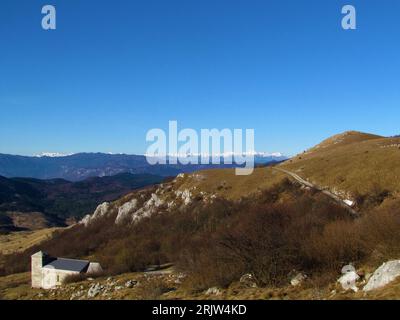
point(100, 211)
point(185, 195)
point(154, 201)
point(94, 290)
point(125, 211)
point(144, 204)
point(149, 208)
point(385, 274)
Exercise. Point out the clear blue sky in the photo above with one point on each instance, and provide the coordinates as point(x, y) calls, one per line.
point(115, 69)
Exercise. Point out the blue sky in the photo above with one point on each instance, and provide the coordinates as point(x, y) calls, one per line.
point(115, 69)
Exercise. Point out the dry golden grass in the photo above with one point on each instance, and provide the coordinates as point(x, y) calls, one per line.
point(20, 241)
point(30, 220)
point(163, 287)
point(16, 286)
point(224, 183)
point(351, 163)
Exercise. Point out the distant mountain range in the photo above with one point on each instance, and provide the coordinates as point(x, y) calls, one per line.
point(81, 166)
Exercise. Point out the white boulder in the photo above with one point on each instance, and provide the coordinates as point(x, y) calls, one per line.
point(348, 281)
point(350, 203)
point(385, 274)
point(298, 279)
point(348, 268)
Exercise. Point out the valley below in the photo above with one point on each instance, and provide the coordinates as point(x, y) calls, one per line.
point(32, 204)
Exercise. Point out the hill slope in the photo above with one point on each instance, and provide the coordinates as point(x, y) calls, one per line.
point(353, 165)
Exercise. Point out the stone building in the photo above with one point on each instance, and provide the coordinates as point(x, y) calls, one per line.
point(48, 272)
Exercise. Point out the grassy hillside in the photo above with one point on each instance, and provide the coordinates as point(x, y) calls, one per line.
point(20, 241)
point(225, 184)
point(352, 164)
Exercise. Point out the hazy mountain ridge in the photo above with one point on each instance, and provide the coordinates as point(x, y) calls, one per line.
point(84, 165)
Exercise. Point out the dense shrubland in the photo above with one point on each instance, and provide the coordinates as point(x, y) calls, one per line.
point(271, 234)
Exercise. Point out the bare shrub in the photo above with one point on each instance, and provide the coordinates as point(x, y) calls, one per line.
point(153, 289)
point(373, 198)
point(74, 278)
point(208, 264)
point(269, 238)
point(380, 230)
point(339, 243)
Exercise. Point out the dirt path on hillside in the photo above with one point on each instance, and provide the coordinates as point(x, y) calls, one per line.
point(324, 191)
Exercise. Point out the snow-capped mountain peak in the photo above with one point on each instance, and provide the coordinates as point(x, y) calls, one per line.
point(53, 155)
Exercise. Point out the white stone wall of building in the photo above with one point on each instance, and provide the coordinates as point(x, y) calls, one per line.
point(52, 278)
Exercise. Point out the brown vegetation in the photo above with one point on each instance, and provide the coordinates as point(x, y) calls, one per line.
point(269, 235)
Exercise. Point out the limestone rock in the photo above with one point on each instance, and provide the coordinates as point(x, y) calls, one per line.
point(185, 195)
point(298, 279)
point(154, 201)
point(149, 208)
point(213, 291)
point(94, 290)
point(100, 211)
point(125, 210)
point(248, 280)
point(348, 281)
point(385, 274)
point(85, 220)
point(130, 283)
point(348, 268)
point(77, 294)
